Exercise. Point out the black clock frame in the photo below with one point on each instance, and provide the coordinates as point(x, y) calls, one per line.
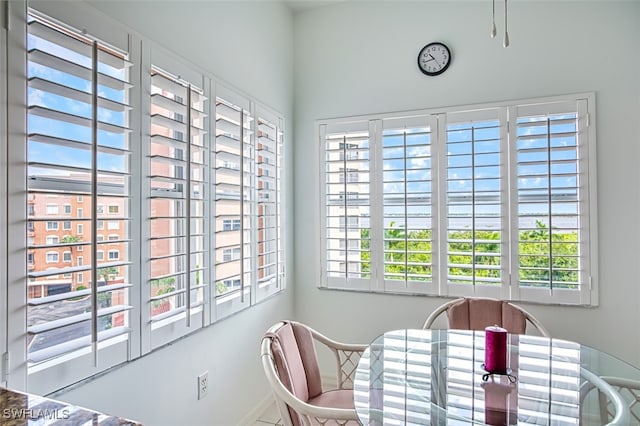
point(430, 73)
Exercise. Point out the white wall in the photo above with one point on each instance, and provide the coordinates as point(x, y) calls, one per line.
point(247, 45)
point(360, 57)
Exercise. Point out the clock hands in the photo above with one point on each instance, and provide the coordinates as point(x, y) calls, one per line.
point(432, 59)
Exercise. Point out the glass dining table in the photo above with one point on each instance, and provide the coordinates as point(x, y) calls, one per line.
point(436, 377)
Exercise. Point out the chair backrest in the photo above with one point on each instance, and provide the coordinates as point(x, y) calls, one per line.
point(476, 313)
point(296, 364)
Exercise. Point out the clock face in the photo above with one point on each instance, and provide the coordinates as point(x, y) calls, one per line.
point(434, 58)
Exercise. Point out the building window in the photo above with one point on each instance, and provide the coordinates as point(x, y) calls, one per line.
point(52, 240)
point(113, 224)
point(52, 209)
point(66, 225)
point(66, 209)
point(52, 257)
point(114, 209)
point(114, 255)
point(231, 225)
point(52, 226)
point(442, 187)
point(230, 255)
point(66, 257)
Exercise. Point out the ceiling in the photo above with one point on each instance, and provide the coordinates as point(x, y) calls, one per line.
point(302, 5)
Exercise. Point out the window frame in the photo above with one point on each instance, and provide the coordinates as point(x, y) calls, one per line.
point(14, 193)
point(507, 114)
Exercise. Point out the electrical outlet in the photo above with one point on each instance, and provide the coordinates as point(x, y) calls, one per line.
point(203, 384)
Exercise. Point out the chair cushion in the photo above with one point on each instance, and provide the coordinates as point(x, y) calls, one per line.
point(296, 363)
point(337, 398)
point(476, 314)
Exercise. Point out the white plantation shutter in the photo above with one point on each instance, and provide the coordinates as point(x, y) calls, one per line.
point(78, 158)
point(551, 200)
point(347, 203)
point(269, 165)
point(177, 154)
point(475, 203)
point(407, 202)
point(139, 226)
point(233, 185)
point(496, 201)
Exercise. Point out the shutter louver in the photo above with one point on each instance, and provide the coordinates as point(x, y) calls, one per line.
point(177, 193)
point(407, 202)
point(233, 186)
point(549, 199)
point(474, 201)
point(348, 204)
point(270, 260)
point(78, 159)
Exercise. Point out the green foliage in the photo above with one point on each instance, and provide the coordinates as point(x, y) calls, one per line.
point(221, 288)
point(161, 286)
point(107, 272)
point(410, 254)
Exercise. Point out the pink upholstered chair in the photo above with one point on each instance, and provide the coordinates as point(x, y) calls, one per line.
point(476, 313)
point(290, 363)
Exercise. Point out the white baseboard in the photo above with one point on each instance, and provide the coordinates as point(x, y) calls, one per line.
point(254, 414)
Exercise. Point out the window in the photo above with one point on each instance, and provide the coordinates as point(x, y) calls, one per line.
point(177, 151)
point(206, 201)
point(230, 255)
point(443, 187)
point(269, 181)
point(231, 224)
point(64, 86)
point(233, 186)
point(52, 257)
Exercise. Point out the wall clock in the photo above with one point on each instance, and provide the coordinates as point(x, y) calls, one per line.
point(434, 58)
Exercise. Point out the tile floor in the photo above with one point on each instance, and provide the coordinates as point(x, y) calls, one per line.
point(269, 417)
